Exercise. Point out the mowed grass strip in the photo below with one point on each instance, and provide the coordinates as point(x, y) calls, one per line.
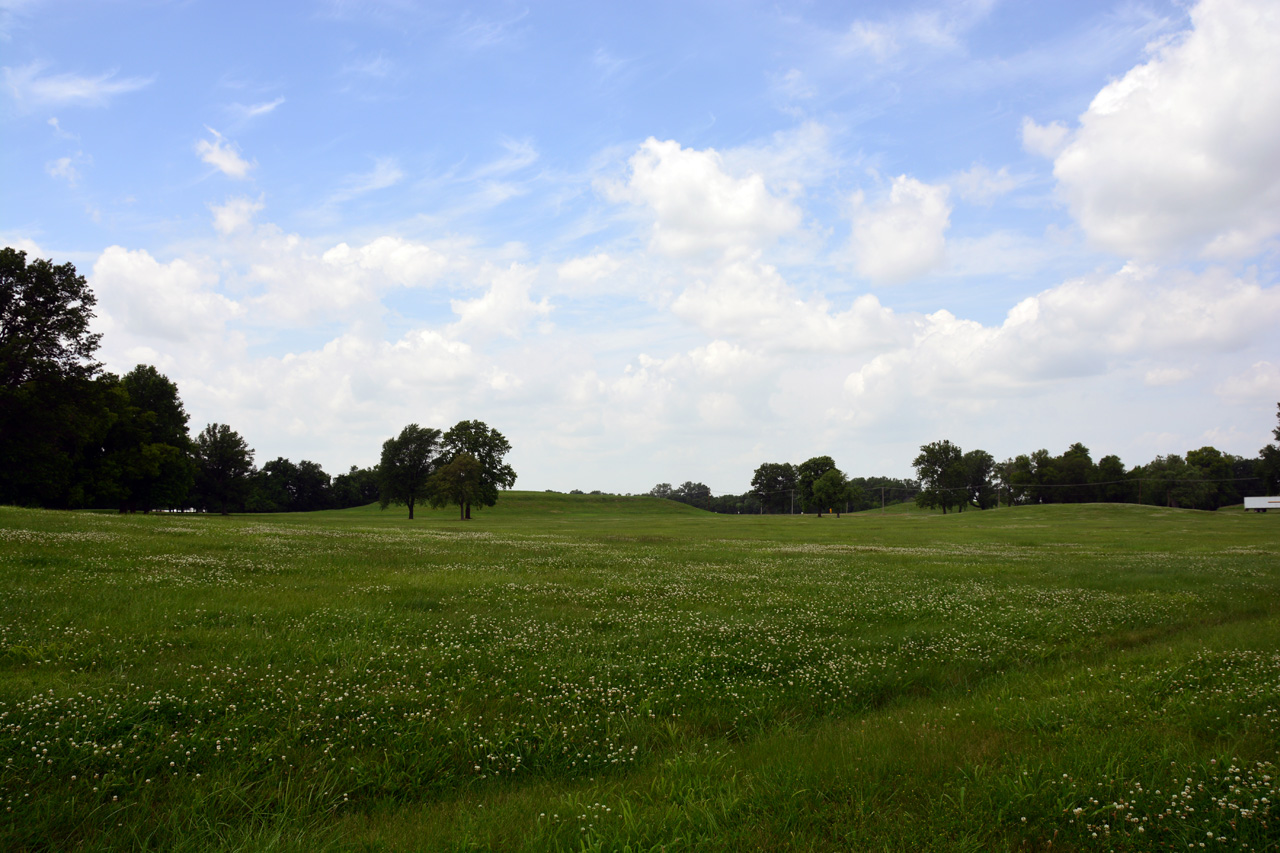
point(589, 671)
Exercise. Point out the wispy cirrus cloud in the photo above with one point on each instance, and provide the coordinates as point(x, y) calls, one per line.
point(30, 86)
point(481, 32)
point(246, 112)
point(386, 172)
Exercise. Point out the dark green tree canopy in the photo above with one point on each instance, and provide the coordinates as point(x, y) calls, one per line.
point(357, 487)
point(153, 392)
point(408, 461)
point(488, 447)
point(830, 491)
point(45, 312)
point(773, 483)
point(693, 494)
point(459, 482)
point(807, 473)
point(224, 462)
point(979, 469)
point(943, 479)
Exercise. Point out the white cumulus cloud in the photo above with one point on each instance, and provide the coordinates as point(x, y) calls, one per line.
point(902, 236)
point(698, 206)
point(144, 298)
point(1046, 140)
point(505, 308)
point(1182, 154)
point(1081, 328)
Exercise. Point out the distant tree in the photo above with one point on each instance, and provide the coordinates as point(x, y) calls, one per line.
point(408, 461)
point(831, 490)
point(1044, 475)
point(807, 473)
point(1113, 486)
point(1267, 467)
point(1170, 481)
point(460, 482)
point(224, 464)
point(488, 447)
point(693, 494)
point(774, 483)
point(271, 487)
point(171, 465)
point(662, 490)
point(1074, 475)
point(1215, 467)
point(940, 467)
point(748, 503)
point(1007, 473)
point(979, 469)
point(314, 487)
point(357, 487)
point(878, 490)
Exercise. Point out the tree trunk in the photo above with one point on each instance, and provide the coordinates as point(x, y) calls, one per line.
point(462, 511)
point(468, 513)
point(411, 509)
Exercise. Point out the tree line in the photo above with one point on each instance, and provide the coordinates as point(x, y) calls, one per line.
point(815, 485)
point(75, 436)
point(950, 479)
point(1205, 478)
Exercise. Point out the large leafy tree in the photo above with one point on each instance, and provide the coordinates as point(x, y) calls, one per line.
point(282, 486)
point(155, 452)
point(224, 464)
point(53, 416)
point(408, 461)
point(943, 478)
point(1072, 477)
point(807, 473)
point(488, 447)
point(1170, 481)
point(979, 470)
point(831, 490)
point(1114, 485)
point(45, 312)
point(693, 494)
point(662, 490)
point(774, 483)
point(357, 487)
point(1216, 468)
point(458, 482)
point(273, 487)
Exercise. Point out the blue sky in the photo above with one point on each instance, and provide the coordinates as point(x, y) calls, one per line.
point(671, 241)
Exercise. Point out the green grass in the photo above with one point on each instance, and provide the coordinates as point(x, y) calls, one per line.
point(600, 673)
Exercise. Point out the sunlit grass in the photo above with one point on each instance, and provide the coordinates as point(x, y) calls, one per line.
point(589, 671)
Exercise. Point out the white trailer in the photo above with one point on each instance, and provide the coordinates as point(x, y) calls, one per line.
point(1262, 504)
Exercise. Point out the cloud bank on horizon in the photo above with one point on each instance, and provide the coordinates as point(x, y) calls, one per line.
point(669, 243)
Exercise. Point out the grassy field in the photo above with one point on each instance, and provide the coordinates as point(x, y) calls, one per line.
point(628, 674)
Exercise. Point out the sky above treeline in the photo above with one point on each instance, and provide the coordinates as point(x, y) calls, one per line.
point(662, 242)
